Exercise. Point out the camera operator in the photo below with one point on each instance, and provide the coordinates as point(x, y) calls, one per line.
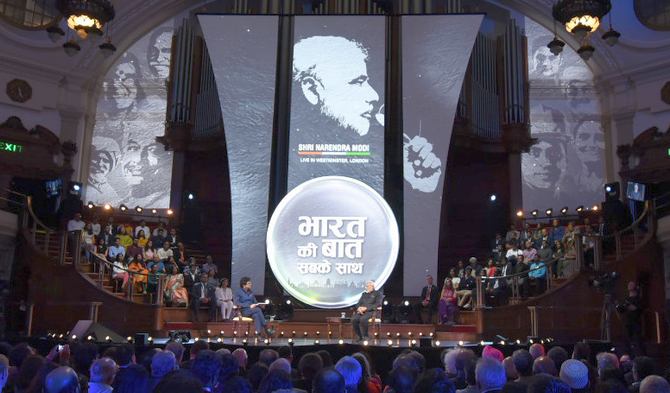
point(631, 309)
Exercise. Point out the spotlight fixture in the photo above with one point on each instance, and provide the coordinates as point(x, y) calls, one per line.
point(107, 207)
point(123, 207)
point(138, 209)
point(493, 197)
point(460, 343)
point(595, 208)
point(549, 212)
point(170, 212)
point(608, 188)
point(389, 343)
point(90, 205)
point(437, 343)
point(579, 209)
point(107, 48)
point(534, 213)
point(564, 210)
point(190, 196)
point(154, 211)
point(385, 302)
point(76, 187)
point(406, 303)
point(340, 341)
point(519, 213)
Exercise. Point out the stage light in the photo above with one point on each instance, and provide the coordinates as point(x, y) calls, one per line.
point(437, 343)
point(108, 339)
point(74, 336)
point(406, 303)
point(170, 212)
point(129, 339)
point(123, 207)
point(413, 342)
point(234, 334)
point(191, 196)
point(580, 208)
point(267, 301)
point(534, 213)
point(376, 334)
point(386, 302)
point(608, 188)
point(89, 338)
point(389, 343)
point(460, 343)
point(595, 208)
point(397, 334)
point(61, 335)
point(244, 341)
point(209, 331)
point(150, 339)
point(107, 206)
point(316, 342)
point(281, 334)
point(222, 332)
point(76, 187)
point(304, 334)
point(564, 211)
point(518, 342)
point(519, 213)
point(340, 342)
point(481, 343)
point(293, 333)
point(330, 333)
point(318, 332)
point(420, 334)
point(409, 334)
point(288, 302)
point(431, 334)
point(138, 209)
point(90, 205)
point(154, 211)
point(530, 341)
point(266, 341)
point(549, 212)
point(388, 334)
point(365, 343)
point(493, 197)
point(219, 340)
point(290, 341)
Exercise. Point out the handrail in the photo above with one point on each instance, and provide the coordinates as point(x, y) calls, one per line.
point(634, 224)
point(29, 204)
point(16, 193)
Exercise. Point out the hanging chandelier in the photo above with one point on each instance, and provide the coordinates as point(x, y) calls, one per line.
point(581, 17)
point(86, 16)
point(87, 19)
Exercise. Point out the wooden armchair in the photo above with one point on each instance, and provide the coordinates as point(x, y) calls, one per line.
point(238, 320)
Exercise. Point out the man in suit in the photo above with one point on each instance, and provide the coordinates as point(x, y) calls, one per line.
point(367, 304)
point(429, 298)
point(245, 299)
point(203, 294)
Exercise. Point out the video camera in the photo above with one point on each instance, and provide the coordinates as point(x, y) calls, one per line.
point(605, 282)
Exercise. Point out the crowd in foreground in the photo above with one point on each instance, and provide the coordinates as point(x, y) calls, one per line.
point(82, 367)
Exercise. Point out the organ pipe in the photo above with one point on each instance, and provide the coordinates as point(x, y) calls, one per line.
point(515, 98)
point(180, 110)
point(208, 120)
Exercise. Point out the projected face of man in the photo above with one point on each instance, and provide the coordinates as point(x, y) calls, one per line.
point(140, 159)
point(159, 55)
point(103, 158)
point(125, 88)
point(333, 75)
point(543, 166)
point(590, 145)
point(545, 63)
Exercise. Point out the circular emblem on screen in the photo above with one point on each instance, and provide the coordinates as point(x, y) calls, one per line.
point(327, 237)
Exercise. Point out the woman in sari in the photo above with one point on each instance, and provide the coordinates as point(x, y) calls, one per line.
point(224, 299)
point(140, 280)
point(447, 306)
point(175, 293)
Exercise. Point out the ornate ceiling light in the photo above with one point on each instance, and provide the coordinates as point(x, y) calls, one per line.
point(86, 16)
point(581, 17)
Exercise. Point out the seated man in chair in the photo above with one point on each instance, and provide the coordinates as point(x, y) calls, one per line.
point(245, 299)
point(203, 294)
point(370, 300)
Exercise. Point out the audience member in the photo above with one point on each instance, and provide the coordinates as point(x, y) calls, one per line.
point(203, 294)
point(329, 380)
point(240, 355)
point(206, 368)
point(103, 372)
point(536, 350)
point(352, 372)
point(429, 298)
point(654, 384)
point(135, 380)
point(256, 374)
point(177, 349)
point(309, 366)
point(544, 365)
point(224, 299)
point(162, 364)
point(275, 380)
point(575, 374)
point(62, 380)
point(490, 376)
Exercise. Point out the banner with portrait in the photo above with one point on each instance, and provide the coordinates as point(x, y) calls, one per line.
point(435, 54)
point(127, 165)
point(566, 165)
point(337, 99)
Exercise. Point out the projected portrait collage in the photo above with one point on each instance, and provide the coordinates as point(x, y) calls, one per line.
point(337, 100)
point(127, 164)
point(566, 166)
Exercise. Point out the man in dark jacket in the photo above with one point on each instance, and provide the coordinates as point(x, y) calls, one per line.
point(430, 295)
point(367, 304)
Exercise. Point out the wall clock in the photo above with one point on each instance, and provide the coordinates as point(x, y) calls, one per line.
point(19, 90)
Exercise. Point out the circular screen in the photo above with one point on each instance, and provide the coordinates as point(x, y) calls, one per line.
point(327, 237)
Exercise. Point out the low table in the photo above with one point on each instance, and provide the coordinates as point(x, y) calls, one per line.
point(337, 321)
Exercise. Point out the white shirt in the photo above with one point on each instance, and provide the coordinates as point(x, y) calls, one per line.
point(147, 231)
point(164, 254)
point(118, 267)
point(74, 225)
point(96, 229)
point(513, 253)
point(223, 295)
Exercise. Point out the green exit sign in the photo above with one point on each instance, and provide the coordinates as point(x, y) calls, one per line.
point(10, 147)
point(668, 151)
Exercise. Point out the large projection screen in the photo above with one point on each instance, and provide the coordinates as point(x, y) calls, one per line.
point(435, 54)
point(243, 51)
point(337, 99)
